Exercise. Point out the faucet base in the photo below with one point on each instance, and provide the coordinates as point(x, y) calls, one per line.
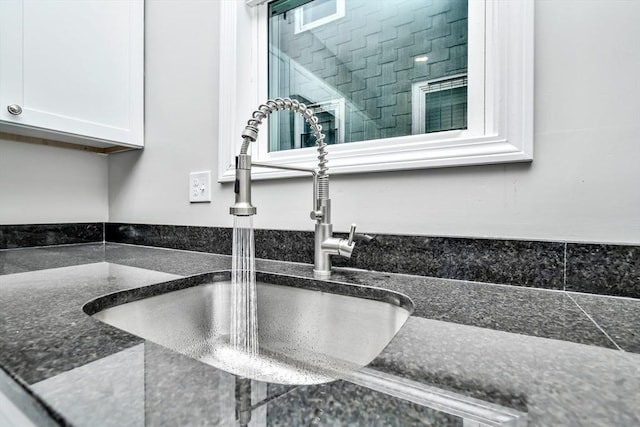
point(319, 274)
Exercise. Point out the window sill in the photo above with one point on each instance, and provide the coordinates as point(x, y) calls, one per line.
point(478, 151)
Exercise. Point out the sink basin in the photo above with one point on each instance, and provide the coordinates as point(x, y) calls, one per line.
point(309, 331)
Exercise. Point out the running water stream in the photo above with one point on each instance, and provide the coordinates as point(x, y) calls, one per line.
point(244, 317)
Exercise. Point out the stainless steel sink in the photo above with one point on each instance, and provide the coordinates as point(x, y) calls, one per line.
point(306, 336)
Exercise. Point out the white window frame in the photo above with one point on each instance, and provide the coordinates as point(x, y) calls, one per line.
point(500, 99)
point(301, 27)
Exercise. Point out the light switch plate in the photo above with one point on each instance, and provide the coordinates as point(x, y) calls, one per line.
point(200, 187)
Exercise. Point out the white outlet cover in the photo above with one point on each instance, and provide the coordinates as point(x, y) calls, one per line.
point(200, 187)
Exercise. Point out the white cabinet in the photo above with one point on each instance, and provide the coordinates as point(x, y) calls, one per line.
point(73, 70)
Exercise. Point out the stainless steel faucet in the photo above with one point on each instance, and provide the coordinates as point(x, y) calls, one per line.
point(325, 244)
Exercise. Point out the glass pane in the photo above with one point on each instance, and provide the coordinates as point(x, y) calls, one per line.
point(317, 9)
point(368, 60)
point(446, 110)
point(327, 120)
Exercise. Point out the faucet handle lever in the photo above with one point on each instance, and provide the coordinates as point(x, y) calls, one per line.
point(316, 215)
point(352, 233)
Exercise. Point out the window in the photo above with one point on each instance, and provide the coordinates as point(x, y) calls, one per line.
point(317, 13)
point(457, 90)
point(439, 105)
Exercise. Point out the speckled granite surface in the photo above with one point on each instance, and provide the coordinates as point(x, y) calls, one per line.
point(27, 235)
point(581, 267)
point(344, 403)
point(619, 318)
point(522, 263)
point(604, 269)
point(534, 350)
point(559, 383)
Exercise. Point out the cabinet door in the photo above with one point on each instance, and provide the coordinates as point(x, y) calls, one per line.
point(74, 67)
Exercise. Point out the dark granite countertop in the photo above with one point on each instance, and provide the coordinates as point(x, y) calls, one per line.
point(563, 358)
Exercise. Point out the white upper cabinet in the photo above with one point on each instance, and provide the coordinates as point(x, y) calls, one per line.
point(73, 70)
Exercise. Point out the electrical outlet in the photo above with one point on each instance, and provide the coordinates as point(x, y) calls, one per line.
point(200, 187)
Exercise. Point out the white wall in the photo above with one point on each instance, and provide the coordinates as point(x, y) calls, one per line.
point(40, 185)
point(582, 185)
point(181, 81)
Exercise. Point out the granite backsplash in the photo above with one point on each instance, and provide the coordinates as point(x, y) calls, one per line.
point(581, 267)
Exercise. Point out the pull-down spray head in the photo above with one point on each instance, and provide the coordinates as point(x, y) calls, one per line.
point(242, 188)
